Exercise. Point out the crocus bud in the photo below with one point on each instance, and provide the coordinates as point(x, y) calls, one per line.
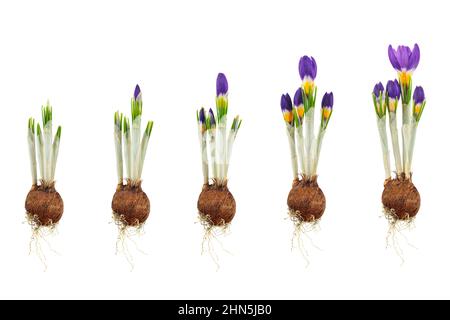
point(286, 108)
point(298, 104)
point(211, 119)
point(307, 68)
point(221, 97)
point(136, 103)
point(137, 93)
point(202, 116)
point(221, 85)
point(393, 92)
point(378, 99)
point(418, 102)
point(327, 109)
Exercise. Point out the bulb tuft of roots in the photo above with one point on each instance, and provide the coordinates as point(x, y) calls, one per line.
point(401, 203)
point(131, 208)
point(306, 203)
point(216, 207)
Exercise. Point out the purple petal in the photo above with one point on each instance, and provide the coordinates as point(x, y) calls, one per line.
point(414, 58)
point(313, 68)
point(307, 67)
point(403, 53)
point(212, 119)
point(221, 84)
point(201, 116)
point(393, 89)
point(328, 100)
point(137, 92)
point(298, 97)
point(419, 95)
point(286, 102)
point(378, 89)
point(393, 58)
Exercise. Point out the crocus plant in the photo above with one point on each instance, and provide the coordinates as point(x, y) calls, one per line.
point(401, 199)
point(131, 205)
point(216, 204)
point(306, 200)
point(44, 205)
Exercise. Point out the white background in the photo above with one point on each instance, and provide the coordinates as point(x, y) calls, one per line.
point(86, 57)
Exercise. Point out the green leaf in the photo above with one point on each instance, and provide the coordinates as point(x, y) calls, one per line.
point(126, 125)
point(31, 124)
point(58, 133)
point(38, 130)
point(149, 128)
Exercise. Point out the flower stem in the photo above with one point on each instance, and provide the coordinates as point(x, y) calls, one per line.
point(300, 147)
point(309, 126)
point(395, 143)
point(204, 153)
point(32, 150)
point(290, 130)
point(406, 115)
point(318, 147)
point(381, 122)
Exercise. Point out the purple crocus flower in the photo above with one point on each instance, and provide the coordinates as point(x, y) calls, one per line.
point(221, 85)
point(212, 119)
point(307, 68)
point(298, 103)
point(286, 108)
point(419, 95)
point(201, 116)
point(378, 90)
point(405, 61)
point(377, 93)
point(393, 92)
point(327, 108)
point(393, 89)
point(327, 101)
point(137, 93)
point(418, 102)
point(298, 97)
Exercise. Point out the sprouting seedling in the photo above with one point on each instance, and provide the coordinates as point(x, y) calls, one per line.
point(44, 205)
point(133, 147)
point(216, 204)
point(306, 200)
point(130, 204)
point(401, 200)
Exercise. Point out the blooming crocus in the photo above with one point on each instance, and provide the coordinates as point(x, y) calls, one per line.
point(286, 108)
point(418, 102)
point(327, 108)
point(298, 104)
point(307, 68)
point(378, 101)
point(137, 93)
point(393, 92)
point(405, 61)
